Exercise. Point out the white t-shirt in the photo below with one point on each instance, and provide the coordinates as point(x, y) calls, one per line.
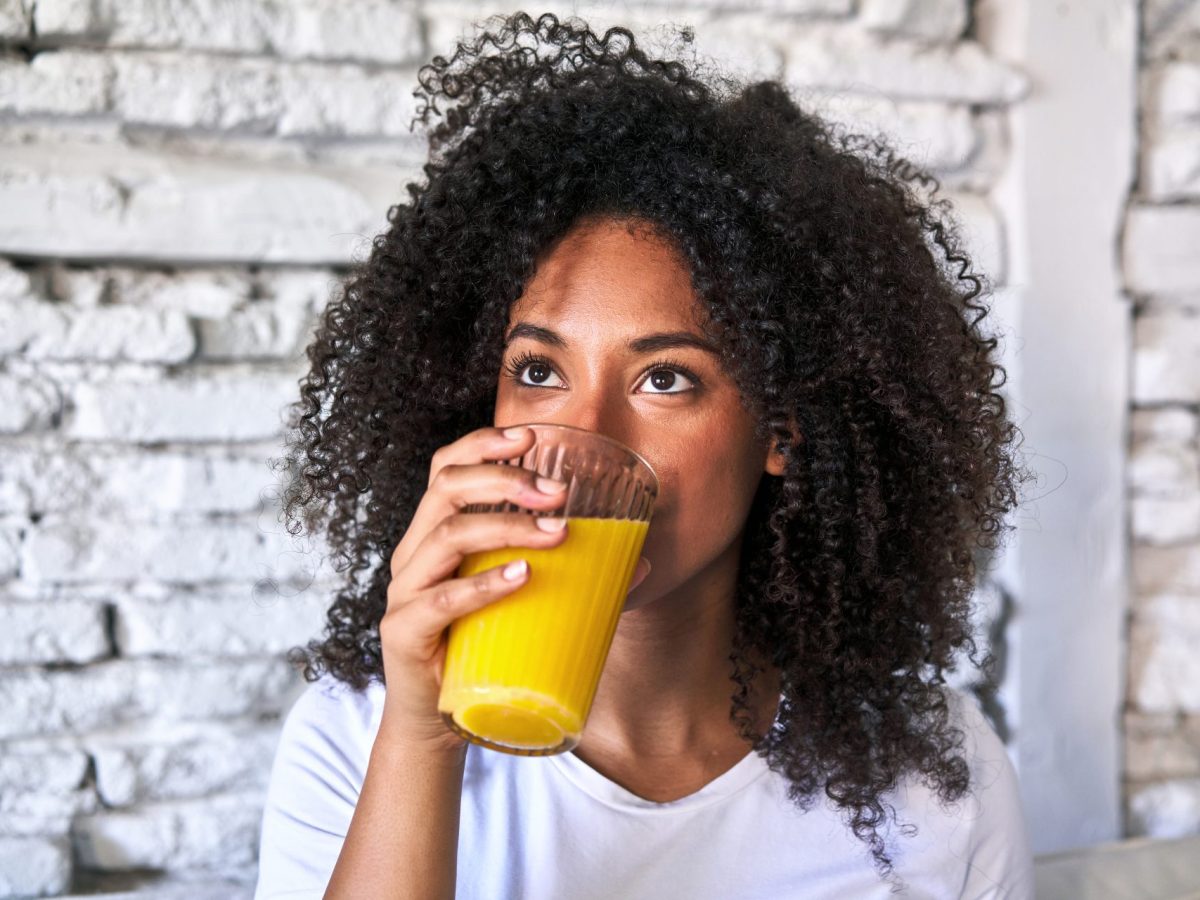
point(537, 828)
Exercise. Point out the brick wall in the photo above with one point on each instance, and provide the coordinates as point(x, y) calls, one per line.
point(182, 182)
point(1161, 261)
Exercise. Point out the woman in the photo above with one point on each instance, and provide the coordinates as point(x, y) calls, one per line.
point(773, 318)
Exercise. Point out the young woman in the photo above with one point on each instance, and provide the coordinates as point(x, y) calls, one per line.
point(773, 317)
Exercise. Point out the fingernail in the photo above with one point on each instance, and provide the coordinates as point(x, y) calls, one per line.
point(515, 433)
point(548, 524)
point(514, 570)
point(549, 486)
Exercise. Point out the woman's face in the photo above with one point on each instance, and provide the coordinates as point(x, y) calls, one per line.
point(594, 295)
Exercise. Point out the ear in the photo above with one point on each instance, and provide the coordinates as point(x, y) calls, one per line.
point(776, 462)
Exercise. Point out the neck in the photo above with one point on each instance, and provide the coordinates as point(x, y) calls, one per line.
point(666, 690)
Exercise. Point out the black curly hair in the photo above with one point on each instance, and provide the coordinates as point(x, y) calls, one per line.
point(848, 317)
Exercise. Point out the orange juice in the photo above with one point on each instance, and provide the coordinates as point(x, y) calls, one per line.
point(521, 673)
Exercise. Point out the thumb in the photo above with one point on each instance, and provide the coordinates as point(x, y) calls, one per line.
point(640, 572)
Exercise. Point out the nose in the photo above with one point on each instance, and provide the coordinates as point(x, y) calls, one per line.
point(599, 413)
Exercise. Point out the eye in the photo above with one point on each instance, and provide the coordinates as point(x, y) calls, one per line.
point(667, 375)
point(534, 364)
point(664, 377)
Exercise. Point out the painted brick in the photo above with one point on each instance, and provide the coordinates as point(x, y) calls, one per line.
point(372, 30)
point(14, 282)
point(52, 631)
point(106, 694)
point(799, 8)
point(345, 101)
point(213, 834)
point(1167, 810)
point(1161, 746)
point(1166, 569)
point(200, 293)
point(39, 330)
point(1166, 519)
point(263, 330)
point(1170, 28)
point(1171, 167)
point(177, 90)
point(84, 288)
point(34, 867)
point(935, 20)
point(200, 759)
point(1164, 671)
point(936, 135)
point(1175, 93)
point(181, 91)
point(65, 550)
point(61, 83)
point(27, 403)
point(71, 203)
point(40, 481)
point(845, 59)
point(233, 883)
point(1174, 424)
point(10, 551)
point(309, 288)
point(15, 20)
point(42, 788)
point(1159, 249)
point(28, 323)
point(227, 407)
point(32, 812)
point(1164, 468)
point(60, 769)
point(231, 624)
point(1165, 344)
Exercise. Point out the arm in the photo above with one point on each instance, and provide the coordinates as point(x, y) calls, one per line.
point(403, 838)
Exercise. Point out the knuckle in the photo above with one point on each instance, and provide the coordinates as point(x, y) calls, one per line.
point(439, 477)
point(442, 598)
point(448, 528)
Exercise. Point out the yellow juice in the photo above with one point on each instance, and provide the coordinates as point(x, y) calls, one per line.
point(521, 673)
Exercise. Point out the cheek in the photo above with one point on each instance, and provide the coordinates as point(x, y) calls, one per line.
point(701, 507)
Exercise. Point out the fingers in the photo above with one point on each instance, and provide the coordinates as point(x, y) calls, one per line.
point(458, 485)
point(419, 623)
point(479, 445)
point(438, 556)
point(640, 572)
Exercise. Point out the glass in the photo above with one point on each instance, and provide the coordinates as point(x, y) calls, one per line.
point(521, 673)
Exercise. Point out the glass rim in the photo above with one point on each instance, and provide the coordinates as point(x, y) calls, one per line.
point(573, 429)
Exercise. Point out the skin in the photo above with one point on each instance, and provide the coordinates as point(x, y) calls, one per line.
point(659, 725)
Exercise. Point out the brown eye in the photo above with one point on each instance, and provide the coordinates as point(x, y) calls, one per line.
point(539, 370)
point(663, 380)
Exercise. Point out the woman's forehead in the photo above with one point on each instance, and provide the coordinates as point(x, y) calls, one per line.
point(603, 274)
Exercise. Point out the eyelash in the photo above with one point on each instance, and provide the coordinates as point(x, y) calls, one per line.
point(514, 367)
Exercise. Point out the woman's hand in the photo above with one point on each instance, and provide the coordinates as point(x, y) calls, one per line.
point(424, 596)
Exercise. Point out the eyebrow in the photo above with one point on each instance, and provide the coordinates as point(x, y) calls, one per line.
point(648, 343)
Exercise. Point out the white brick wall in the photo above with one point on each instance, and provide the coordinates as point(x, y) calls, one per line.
point(181, 186)
point(1162, 271)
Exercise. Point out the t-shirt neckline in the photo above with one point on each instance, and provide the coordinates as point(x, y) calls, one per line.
point(747, 770)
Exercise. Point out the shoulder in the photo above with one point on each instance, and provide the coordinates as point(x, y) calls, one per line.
point(317, 775)
point(989, 822)
point(326, 738)
point(334, 711)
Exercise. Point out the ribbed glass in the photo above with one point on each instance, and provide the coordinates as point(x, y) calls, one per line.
point(521, 673)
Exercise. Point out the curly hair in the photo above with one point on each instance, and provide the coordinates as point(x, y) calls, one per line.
point(848, 317)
